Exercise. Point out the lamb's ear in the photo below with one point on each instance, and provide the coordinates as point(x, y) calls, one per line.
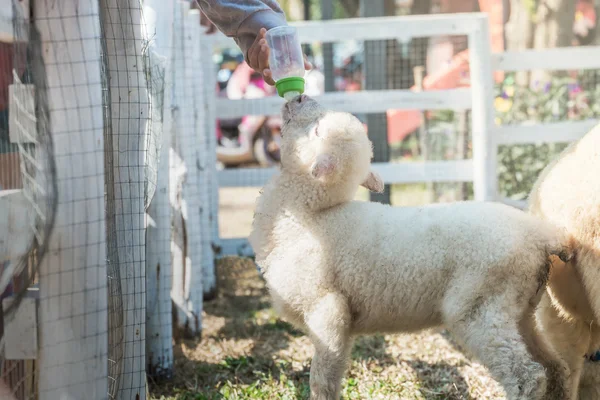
point(324, 165)
point(373, 182)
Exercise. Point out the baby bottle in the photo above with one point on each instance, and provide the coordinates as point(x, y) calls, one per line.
point(286, 61)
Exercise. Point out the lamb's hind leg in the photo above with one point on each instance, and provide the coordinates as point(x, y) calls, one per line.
point(328, 325)
point(557, 371)
point(492, 335)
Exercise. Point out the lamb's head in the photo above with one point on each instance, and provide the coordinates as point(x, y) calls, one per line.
point(331, 148)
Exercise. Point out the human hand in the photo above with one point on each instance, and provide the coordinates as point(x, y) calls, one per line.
point(258, 57)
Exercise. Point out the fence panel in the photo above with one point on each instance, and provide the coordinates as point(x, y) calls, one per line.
point(436, 99)
point(187, 249)
point(130, 114)
point(548, 99)
point(158, 15)
point(73, 284)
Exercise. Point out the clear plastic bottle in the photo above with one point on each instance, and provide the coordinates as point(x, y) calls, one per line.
point(286, 61)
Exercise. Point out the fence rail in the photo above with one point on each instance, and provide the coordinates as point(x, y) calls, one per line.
point(391, 173)
point(554, 132)
point(563, 58)
point(365, 101)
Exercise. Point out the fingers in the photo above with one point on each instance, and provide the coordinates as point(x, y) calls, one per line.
point(253, 52)
point(263, 58)
point(256, 48)
point(268, 77)
point(258, 57)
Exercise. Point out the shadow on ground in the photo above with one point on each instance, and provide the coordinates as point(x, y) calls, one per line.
point(246, 352)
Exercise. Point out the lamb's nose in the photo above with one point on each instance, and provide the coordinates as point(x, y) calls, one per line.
point(302, 98)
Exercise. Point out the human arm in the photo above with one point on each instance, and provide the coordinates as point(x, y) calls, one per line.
point(247, 22)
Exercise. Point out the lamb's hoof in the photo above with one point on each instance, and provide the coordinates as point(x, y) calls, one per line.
point(532, 386)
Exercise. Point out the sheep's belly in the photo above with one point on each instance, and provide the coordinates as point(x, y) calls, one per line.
point(384, 301)
point(390, 321)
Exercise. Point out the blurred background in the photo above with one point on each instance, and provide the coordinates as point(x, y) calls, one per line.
point(428, 63)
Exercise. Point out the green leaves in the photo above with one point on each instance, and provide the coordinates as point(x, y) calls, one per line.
point(564, 98)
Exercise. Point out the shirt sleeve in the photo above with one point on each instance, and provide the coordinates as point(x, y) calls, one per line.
point(243, 19)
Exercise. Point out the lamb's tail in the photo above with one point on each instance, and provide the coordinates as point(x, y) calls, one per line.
point(563, 246)
point(558, 244)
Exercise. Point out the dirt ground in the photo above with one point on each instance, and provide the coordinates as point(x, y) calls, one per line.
point(236, 209)
point(246, 352)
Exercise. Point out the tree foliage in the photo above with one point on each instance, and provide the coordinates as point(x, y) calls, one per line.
point(564, 98)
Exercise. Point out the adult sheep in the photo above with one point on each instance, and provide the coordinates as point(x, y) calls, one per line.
point(567, 194)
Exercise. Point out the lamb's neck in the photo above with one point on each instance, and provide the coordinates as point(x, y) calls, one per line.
point(304, 193)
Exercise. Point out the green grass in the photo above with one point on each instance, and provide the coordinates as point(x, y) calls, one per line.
point(246, 352)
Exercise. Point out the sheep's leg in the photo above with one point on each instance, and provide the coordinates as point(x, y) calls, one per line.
point(589, 387)
point(557, 370)
point(328, 325)
point(569, 338)
point(574, 360)
point(492, 336)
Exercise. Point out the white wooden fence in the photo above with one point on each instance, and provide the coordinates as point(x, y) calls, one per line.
point(479, 98)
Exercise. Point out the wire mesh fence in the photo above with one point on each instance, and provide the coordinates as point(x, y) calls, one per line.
point(28, 195)
point(81, 130)
point(72, 307)
point(186, 148)
point(132, 160)
point(158, 16)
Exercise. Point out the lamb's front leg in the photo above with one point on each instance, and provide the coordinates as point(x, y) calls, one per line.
point(329, 329)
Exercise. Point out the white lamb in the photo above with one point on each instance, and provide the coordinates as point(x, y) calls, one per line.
point(337, 268)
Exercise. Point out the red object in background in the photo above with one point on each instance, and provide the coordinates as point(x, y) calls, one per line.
point(8, 58)
point(495, 12)
point(586, 8)
point(455, 74)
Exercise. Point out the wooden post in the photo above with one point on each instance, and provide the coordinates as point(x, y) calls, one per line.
point(327, 14)
point(187, 290)
point(462, 145)
point(158, 15)
point(485, 180)
point(72, 312)
point(375, 75)
point(212, 245)
point(204, 90)
point(129, 111)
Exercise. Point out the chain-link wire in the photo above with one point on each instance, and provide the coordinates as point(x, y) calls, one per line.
point(28, 194)
point(131, 181)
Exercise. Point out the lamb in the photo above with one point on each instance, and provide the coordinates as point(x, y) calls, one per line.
point(567, 194)
point(337, 268)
